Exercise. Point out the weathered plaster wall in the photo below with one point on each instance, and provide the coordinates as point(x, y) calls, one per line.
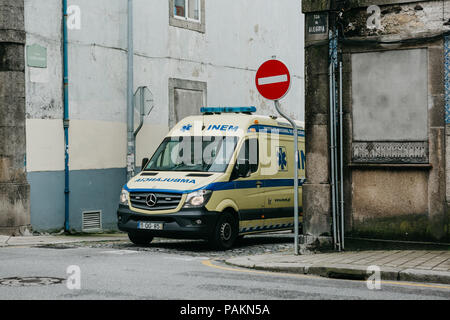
point(394, 109)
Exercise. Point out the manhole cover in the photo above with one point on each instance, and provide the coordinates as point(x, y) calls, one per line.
point(30, 281)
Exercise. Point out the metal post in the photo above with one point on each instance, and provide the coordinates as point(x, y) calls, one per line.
point(296, 161)
point(335, 155)
point(141, 123)
point(333, 181)
point(341, 150)
point(130, 109)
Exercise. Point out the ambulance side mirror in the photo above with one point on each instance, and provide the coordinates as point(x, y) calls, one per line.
point(144, 163)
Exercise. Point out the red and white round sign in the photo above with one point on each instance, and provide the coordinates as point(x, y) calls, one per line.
point(273, 79)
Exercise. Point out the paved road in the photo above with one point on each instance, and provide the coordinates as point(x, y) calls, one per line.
point(177, 270)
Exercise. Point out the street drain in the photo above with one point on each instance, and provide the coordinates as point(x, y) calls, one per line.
point(346, 276)
point(30, 281)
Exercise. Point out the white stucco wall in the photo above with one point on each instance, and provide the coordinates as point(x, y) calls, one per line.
point(239, 36)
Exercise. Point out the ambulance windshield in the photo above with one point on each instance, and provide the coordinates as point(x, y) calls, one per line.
point(198, 154)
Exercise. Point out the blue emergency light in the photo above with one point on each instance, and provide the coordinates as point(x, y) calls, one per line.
point(211, 110)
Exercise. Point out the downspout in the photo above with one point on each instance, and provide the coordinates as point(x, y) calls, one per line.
point(130, 114)
point(332, 137)
point(332, 146)
point(341, 160)
point(66, 120)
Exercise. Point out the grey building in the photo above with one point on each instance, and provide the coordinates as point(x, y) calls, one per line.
point(395, 119)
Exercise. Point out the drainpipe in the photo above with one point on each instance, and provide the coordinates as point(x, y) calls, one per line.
point(341, 151)
point(333, 138)
point(66, 120)
point(332, 146)
point(130, 113)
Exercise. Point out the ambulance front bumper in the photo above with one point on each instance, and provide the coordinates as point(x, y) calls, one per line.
point(183, 224)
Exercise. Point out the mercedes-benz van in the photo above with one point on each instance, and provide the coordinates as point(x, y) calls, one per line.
point(218, 176)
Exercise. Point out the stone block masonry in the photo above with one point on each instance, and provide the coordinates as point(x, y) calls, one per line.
point(14, 189)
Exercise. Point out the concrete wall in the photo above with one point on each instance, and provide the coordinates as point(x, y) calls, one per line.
point(14, 189)
point(390, 194)
point(238, 37)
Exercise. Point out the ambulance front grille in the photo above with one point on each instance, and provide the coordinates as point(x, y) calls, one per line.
point(164, 201)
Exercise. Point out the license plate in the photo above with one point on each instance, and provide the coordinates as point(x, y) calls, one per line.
point(150, 225)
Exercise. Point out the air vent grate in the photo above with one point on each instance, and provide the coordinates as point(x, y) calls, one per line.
point(92, 221)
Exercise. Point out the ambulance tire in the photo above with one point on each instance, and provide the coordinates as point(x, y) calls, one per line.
point(140, 240)
point(225, 233)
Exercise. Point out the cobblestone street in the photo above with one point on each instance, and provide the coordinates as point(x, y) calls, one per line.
point(249, 245)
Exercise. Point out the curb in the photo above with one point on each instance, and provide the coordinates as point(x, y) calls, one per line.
point(417, 275)
point(6, 241)
point(344, 271)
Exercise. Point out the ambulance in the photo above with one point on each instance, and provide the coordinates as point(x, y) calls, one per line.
point(218, 176)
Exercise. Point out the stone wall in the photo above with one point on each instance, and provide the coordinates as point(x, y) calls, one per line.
point(395, 197)
point(14, 189)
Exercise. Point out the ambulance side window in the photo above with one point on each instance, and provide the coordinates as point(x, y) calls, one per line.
point(249, 151)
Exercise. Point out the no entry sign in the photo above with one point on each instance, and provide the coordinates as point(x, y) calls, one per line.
point(273, 79)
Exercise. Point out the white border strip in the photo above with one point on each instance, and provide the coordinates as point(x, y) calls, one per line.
point(272, 80)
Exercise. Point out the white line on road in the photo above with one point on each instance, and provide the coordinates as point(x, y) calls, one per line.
point(274, 79)
point(120, 252)
point(186, 259)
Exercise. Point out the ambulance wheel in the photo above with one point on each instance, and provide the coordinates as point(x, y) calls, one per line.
point(139, 239)
point(225, 233)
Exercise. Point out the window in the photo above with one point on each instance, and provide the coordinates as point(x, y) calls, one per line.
point(249, 153)
point(193, 154)
point(187, 9)
point(186, 97)
point(188, 14)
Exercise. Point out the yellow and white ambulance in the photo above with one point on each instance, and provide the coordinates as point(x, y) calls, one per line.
point(217, 176)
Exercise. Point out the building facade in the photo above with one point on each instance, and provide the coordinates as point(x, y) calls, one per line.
point(395, 97)
point(189, 53)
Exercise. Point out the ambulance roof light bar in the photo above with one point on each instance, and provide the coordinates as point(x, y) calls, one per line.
point(219, 110)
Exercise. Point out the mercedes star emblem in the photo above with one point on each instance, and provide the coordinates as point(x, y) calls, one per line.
point(151, 200)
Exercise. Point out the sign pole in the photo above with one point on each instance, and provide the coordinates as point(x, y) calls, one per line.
point(272, 82)
point(296, 161)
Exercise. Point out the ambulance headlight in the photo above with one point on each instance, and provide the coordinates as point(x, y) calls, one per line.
point(124, 196)
point(197, 199)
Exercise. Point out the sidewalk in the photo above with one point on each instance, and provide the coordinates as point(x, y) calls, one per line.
point(402, 265)
point(6, 241)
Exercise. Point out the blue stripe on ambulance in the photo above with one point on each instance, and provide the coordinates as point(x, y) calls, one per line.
point(220, 186)
point(279, 130)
